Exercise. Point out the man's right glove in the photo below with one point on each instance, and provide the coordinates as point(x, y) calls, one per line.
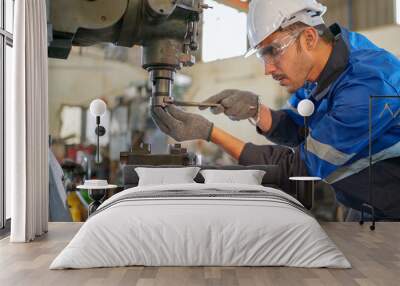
point(181, 125)
point(236, 104)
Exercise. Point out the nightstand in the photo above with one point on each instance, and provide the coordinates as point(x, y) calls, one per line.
point(305, 190)
point(97, 190)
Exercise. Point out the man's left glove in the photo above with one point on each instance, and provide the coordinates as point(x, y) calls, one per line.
point(180, 125)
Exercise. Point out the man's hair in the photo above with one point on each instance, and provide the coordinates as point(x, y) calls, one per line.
point(323, 31)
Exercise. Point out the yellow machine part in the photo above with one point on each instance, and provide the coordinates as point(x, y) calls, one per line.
point(76, 208)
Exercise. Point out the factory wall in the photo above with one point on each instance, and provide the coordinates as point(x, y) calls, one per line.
point(360, 14)
point(356, 14)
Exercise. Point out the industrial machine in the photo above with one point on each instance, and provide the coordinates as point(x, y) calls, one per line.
point(140, 154)
point(166, 29)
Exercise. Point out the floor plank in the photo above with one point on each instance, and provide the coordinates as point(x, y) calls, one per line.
point(375, 257)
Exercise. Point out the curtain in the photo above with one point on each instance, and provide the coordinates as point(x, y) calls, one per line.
point(27, 123)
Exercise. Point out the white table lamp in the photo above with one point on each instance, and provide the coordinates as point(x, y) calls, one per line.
point(305, 108)
point(97, 108)
point(305, 185)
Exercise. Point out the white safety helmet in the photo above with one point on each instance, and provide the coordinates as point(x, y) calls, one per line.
point(267, 16)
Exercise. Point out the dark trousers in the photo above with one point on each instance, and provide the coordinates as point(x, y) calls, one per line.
point(353, 191)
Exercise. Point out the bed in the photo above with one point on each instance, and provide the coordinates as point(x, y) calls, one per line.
point(201, 224)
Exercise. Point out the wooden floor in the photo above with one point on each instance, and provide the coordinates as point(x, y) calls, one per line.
point(375, 257)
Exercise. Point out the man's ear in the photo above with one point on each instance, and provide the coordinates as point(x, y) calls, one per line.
point(311, 38)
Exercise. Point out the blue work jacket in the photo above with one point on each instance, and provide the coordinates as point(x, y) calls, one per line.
point(351, 111)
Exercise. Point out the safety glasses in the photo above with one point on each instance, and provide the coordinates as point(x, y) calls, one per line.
point(274, 51)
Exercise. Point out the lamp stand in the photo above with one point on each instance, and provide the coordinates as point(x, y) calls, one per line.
point(100, 131)
point(305, 139)
point(98, 140)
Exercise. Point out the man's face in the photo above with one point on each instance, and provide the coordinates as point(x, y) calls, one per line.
point(286, 60)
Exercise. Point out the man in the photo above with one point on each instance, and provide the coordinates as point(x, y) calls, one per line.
point(338, 71)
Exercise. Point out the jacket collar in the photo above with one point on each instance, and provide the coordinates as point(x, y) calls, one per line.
point(335, 66)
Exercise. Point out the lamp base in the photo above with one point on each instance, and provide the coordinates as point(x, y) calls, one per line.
point(97, 195)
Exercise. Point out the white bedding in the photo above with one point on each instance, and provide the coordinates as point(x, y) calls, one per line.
point(200, 231)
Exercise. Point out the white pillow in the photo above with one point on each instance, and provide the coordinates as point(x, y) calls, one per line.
point(247, 177)
point(164, 176)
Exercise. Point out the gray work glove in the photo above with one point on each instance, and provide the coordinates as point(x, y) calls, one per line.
point(180, 125)
point(236, 104)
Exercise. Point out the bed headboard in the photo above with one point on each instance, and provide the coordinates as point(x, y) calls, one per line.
point(272, 177)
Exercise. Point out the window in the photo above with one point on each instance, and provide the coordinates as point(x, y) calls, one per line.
point(6, 43)
point(9, 13)
point(71, 124)
point(398, 12)
point(224, 32)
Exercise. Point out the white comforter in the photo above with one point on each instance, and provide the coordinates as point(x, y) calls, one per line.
point(201, 231)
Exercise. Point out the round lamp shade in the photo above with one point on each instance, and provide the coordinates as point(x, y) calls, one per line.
point(97, 107)
point(305, 107)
